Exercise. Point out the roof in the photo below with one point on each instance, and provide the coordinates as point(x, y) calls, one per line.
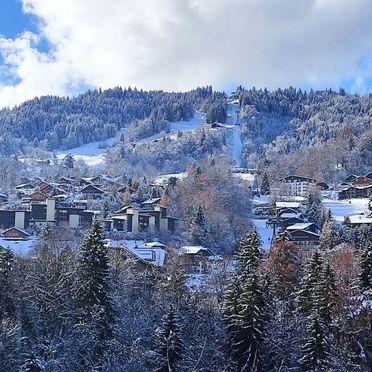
point(194, 250)
point(287, 204)
point(16, 228)
point(300, 178)
point(361, 219)
point(300, 226)
point(154, 256)
point(153, 245)
point(90, 186)
point(151, 201)
point(290, 215)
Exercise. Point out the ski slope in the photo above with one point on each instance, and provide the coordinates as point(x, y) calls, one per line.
point(196, 122)
point(93, 153)
point(236, 144)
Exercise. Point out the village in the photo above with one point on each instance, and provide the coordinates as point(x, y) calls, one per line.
point(138, 228)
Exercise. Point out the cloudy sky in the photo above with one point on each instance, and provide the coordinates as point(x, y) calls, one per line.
point(66, 46)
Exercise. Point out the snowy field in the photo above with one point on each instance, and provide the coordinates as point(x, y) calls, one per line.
point(179, 126)
point(92, 153)
point(236, 145)
point(19, 247)
point(265, 233)
point(342, 208)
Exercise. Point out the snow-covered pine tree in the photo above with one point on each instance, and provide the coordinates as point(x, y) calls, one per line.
point(265, 185)
point(306, 295)
point(316, 348)
point(325, 294)
point(93, 291)
point(231, 301)
point(365, 277)
point(328, 236)
point(198, 230)
point(249, 252)
point(93, 271)
point(6, 299)
point(248, 326)
point(169, 346)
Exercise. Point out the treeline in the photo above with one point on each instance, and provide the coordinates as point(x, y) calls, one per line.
point(94, 308)
point(322, 134)
point(54, 122)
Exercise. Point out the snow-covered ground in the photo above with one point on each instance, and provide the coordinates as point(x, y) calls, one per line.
point(265, 232)
point(236, 145)
point(92, 153)
point(197, 121)
point(342, 208)
point(19, 247)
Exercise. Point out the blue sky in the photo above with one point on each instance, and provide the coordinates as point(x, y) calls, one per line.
point(178, 45)
point(12, 19)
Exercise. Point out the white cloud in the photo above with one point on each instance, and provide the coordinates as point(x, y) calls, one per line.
point(180, 44)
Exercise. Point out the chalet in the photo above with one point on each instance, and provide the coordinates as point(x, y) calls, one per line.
point(361, 181)
point(66, 181)
point(38, 196)
point(195, 258)
point(322, 186)
point(92, 192)
point(350, 178)
point(25, 187)
point(297, 185)
point(305, 226)
point(355, 192)
point(153, 254)
point(288, 219)
point(14, 233)
point(304, 240)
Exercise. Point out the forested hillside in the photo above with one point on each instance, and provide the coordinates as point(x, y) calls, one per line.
point(321, 134)
point(56, 122)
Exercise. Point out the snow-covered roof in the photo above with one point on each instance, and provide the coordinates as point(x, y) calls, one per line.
point(151, 201)
point(153, 245)
point(360, 219)
point(193, 249)
point(155, 256)
point(290, 215)
point(287, 204)
point(299, 226)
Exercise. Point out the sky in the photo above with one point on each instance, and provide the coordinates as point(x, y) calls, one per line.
point(65, 47)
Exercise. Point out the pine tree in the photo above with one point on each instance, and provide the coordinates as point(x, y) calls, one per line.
point(198, 230)
point(328, 236)
point(325, 294)
point(247, 326)
point(6, 298)
point(249, 253)
point(169, 346)
point(365, 277)
point(316, 350)
point(265, 185)
point(306, 296)
point(93, 292)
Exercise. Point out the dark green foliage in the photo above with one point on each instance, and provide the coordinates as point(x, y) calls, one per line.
point(265, 185)
point(68, 161)
point(168, 346)
point(316, 350)
point(216, 109)
point(306, 295)
point(6, 290)
point(365, 277)
point(249, 252)
point(198, 231)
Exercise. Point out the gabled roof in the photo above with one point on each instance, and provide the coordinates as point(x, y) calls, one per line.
point(298, 178)
point(287, 205)
point(194, 250)
point(300, 226)
point(17, 229)
point(97, 189)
